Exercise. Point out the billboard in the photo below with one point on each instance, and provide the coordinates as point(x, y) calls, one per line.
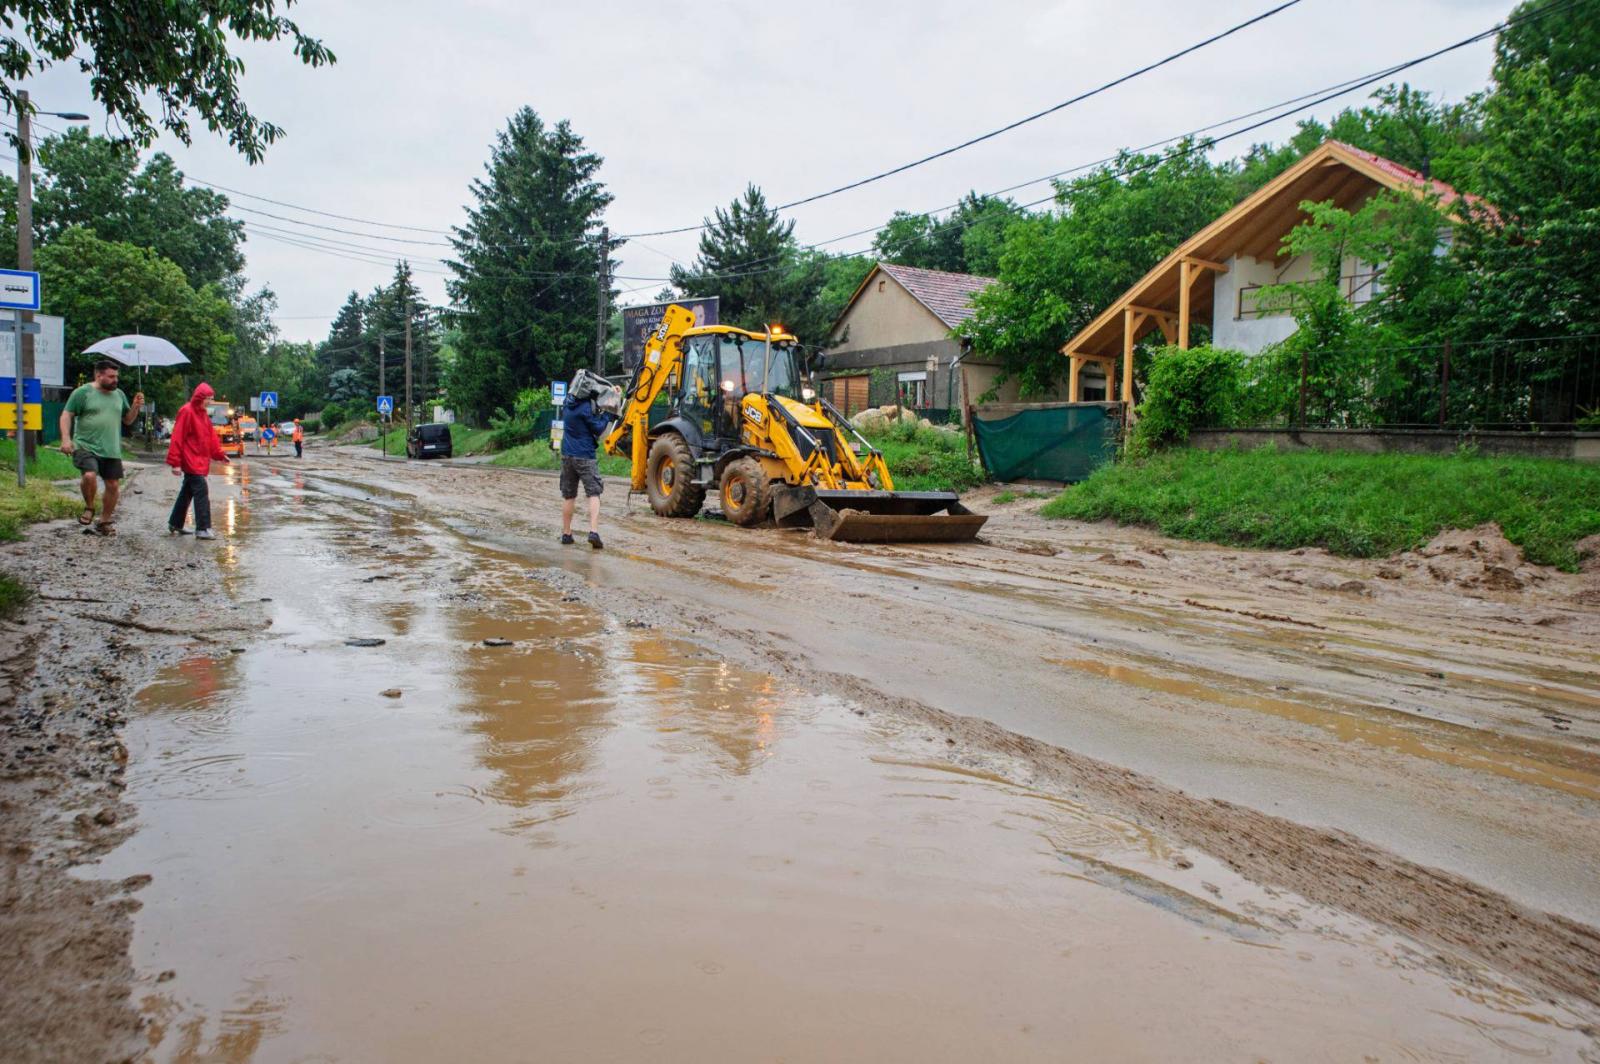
point(49, 351)
point(639, 322)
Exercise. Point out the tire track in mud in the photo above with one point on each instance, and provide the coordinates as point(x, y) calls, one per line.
point(1464, 922)
point(1558, 956)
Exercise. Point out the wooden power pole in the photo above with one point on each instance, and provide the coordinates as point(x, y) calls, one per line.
point(24, 340)
point(602, 308)
point(408, 367)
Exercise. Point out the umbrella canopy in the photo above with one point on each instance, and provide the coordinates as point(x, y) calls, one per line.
point(142, 351)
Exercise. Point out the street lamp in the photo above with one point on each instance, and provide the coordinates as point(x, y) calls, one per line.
point(24, 348)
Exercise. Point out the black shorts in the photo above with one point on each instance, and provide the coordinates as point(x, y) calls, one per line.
point(575, 469)
point(108, 468)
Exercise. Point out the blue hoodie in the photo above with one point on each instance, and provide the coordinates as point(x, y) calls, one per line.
point(581, 428)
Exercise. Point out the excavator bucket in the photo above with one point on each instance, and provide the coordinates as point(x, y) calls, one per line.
point(878, 516)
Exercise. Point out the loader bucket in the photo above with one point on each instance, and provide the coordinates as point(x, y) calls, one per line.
point(878, 516)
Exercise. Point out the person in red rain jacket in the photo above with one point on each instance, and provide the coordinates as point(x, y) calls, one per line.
point(193, 448)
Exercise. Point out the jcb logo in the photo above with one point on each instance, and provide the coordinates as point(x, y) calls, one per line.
point(753, 414)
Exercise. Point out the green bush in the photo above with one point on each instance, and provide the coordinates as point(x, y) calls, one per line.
point(922, 459)
point(1185, 390)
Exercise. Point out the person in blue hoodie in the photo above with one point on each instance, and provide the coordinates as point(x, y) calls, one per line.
point(583, 423)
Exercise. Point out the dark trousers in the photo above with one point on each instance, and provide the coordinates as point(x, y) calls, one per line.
point(297, 453)
point(197, 490)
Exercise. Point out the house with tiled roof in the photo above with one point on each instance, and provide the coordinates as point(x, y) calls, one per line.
point(897, 329)
point(1215, 277)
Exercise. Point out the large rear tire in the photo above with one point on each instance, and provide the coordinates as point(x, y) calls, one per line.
point(670, 478)
point(746, 492)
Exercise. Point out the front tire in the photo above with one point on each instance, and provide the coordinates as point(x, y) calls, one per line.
point(670, 478)
point(746, 492)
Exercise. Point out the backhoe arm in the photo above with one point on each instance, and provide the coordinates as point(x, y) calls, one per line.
point(662, 362)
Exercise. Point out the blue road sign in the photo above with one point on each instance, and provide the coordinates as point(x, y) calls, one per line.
point(19, 290)
point(385, 405)
point(269, 400)
point(31, 391)
point(558, 392)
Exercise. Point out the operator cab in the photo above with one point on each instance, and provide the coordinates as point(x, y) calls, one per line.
point(720, 369)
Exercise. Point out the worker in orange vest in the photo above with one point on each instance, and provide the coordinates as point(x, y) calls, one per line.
point(299, 439)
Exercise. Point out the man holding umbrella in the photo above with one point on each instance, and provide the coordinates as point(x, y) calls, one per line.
point(91, 432)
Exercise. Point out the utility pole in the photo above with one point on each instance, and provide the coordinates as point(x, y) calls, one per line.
point(602, 307)
point(408, 367)
point(383, 422)
point(26, 441)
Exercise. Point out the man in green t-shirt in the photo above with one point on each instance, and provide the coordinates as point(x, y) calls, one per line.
point(91, 432)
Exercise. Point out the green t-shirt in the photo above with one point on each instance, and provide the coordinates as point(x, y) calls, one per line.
point(97, 420)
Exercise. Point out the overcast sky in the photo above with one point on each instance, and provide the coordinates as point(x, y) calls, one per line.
point(688, 102)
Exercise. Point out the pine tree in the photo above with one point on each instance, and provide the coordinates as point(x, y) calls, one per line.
point(748, 257)
point(526, 265)
point(346, 345)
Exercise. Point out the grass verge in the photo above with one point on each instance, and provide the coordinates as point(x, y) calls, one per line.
point(39, 501)
point(48, 462)
point(538, 455)
point(928, 460)
point(13, 597)
point(1358, 505)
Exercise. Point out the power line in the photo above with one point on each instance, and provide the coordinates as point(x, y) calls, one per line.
point(902, 168)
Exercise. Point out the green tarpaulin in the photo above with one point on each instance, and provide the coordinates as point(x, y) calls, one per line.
point(1063, 442)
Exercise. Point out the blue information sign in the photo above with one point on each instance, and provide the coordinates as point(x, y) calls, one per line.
point(558, 392)
point(269, 400)
point(31, 391)
point(19, 290)
point(385, 405)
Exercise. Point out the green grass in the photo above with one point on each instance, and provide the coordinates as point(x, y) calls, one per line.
point(538, 455)
point(39, 501)
point(1004, 497)
point(48, 463)
point(13, 596)
point(928, 460)
point(1356, 505)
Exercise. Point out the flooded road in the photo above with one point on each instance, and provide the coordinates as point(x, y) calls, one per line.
point(520, 828)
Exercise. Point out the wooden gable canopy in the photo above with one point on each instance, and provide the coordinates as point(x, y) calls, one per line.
point(1180, 289)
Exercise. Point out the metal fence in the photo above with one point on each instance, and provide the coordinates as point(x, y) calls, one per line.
point(1540, 383)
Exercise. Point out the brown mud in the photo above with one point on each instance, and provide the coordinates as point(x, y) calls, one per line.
point(716, 793)
point(106, 615)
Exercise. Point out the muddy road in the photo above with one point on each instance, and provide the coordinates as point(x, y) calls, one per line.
point(710, 794)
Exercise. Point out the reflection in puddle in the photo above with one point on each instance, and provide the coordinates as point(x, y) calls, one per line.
point(602, 842)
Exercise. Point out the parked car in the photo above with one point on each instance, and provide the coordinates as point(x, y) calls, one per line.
point(430, 441)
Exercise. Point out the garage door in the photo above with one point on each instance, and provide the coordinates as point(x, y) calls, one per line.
point(850, 393)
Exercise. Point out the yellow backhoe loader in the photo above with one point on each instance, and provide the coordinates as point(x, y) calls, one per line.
point(741, 421)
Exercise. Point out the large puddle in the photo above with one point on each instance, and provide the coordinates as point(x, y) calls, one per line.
point(602, 842)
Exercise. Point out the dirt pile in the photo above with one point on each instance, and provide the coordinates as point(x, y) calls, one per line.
point(1475, 558)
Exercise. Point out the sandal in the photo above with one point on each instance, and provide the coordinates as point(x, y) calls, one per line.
point(87, 517)
point(105, 528)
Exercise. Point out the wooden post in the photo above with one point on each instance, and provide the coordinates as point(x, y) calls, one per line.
point(1444, 386)
point(1128, 341)
point(1185, 279)
point(1074, 365)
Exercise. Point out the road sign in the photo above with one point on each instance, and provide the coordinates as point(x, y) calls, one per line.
point(269, 400)
point(558, 392)
point(31, 390)
point(386, 405)
point(19, 290)
point(255, 404)
point(32, 416)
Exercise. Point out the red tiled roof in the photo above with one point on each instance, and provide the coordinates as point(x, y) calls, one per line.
point(1447, 193)
point(948, 295)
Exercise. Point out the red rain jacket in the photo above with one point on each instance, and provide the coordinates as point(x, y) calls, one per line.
point(194, 442)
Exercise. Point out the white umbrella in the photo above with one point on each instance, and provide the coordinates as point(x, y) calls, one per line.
point(140, 351)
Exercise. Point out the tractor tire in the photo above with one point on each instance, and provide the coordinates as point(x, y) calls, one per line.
point(746, 492)
point(670, 478)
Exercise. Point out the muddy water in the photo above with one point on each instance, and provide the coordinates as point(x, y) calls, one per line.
point(601, 842)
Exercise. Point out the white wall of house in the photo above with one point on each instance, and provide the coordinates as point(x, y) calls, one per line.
point(1236, 321)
